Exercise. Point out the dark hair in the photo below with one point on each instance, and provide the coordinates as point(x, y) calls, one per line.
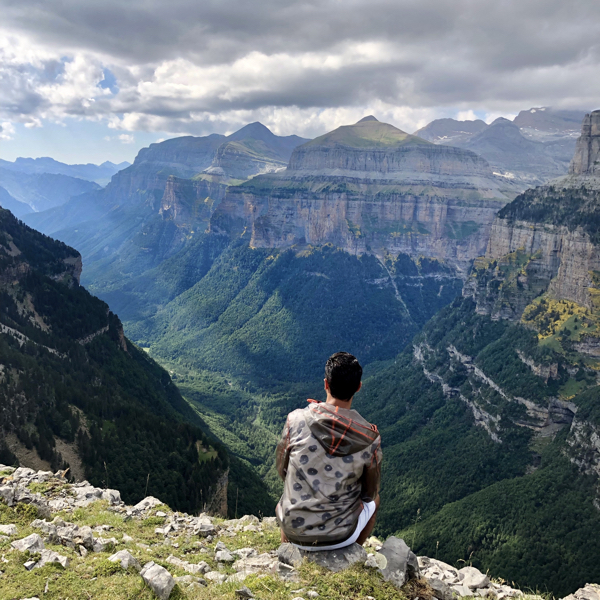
point(343, 373)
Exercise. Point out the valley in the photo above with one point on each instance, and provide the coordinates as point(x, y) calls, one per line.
point(241, 263)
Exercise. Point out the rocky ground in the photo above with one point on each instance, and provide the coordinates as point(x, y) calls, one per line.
point(62, 540)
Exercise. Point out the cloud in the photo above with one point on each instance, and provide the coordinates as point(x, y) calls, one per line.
point(298, 66)
point(126, 138)
point(7, 130)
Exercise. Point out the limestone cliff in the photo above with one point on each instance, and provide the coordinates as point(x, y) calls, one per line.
point(546, 241)
point(366, 188)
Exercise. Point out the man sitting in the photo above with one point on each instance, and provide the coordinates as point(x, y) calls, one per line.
point(330, 460)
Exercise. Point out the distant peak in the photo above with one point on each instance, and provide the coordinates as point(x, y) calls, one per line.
point(254, 130)
point(368, 118)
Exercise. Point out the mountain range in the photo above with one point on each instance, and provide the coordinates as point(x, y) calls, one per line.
point(473, 307)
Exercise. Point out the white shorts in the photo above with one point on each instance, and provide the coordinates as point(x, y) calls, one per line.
point(366, 513)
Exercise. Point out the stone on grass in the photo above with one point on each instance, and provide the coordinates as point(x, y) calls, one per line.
point(33, 543)
point(127, 539)
point(473, 578)
point(401, 564)
point(244, 552)
point(334, 560)
point(29, 564)
point(126, 559)
point(256, 564)
point(113, 496)
point(462, 591)
point(8, 529)
point(158, 579)
point(104, 545)
point(312, 594)
point(215, 576)
point(48, 557)
point(224, 556)
point(201, 567)
point(244, 592)
point(146, 503)
point(190, 583)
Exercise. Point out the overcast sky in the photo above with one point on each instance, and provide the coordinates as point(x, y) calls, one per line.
point(85, 80)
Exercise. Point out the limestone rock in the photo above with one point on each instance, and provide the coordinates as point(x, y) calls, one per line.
point(401, 564)
point(199, 568)
point(8, 529)
point(104, 545)
point(224, 556)
point(158, 579)
point(48, 557)
point(256, 564)
point(441, 590)
point(334, 560)
point(587, 152)
point(33, 543)
point(244, 592)
point(126, 559)
point(147, 503)
point(215, 576)
point(473, 578)
point(591, 591)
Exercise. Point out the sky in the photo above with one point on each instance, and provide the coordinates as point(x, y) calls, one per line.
point(88, 81)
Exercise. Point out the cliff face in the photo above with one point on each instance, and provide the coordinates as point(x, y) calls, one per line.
point(550, 236)
point(370, 188)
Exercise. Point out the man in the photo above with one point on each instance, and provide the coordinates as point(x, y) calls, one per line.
point(330, 460)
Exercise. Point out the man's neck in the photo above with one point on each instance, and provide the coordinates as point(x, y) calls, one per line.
point(336, 402)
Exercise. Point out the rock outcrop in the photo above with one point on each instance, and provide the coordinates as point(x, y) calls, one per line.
point(587, 153)
point(393, 559)
point(370, 187)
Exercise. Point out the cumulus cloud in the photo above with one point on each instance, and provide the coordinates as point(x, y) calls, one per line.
point(298, 66)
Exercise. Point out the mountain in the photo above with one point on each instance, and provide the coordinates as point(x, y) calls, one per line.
point(8, 202)
point(75, 391)
point(100, 174)
point(450, 131)
point(44, 191)
point(534, 148)
point(503, 384)
point(373, 188)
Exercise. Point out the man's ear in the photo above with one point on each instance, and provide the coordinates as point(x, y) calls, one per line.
point(326, 385)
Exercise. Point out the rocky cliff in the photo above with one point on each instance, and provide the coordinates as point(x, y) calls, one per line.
point(366, 188)
point(57, 537)
point(546, 241)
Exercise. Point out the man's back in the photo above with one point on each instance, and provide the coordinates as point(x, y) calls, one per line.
point(329, 458)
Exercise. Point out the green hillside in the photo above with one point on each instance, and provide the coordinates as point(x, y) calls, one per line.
point(71, 383)
point(367, 134)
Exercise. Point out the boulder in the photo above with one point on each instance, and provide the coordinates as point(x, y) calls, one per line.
point(591, 591)
point(104, 545)
point(146, 503)
point(200, 568)
point(48, 557)
point(441, 590)
point(215, 576)
point(244, 552)
point(334, 560)
point(244, 592)
point(113, 496)
point(473, 578)
point(126, 559)
point(400, 562)
point(224, 556)
point(33, 543)
point(158, 579)
point(8, 529)
point(462, 591)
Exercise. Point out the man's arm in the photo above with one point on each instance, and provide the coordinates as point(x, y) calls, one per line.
point(371, 477)
point(283, 451)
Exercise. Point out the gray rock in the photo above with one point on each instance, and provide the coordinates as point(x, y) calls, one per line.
point(48, 557)
point(158, 579)
point(441, 590)
point(244, 592)
point(113, 496)
point(33, 543)
point(473, 578)
point(29, 564)
point(334, 560)
point(461, 591)
point(104, 545)
point(146, 503)
point(189, 567)
point(220, 546)
point(126, 559)
point(215, 576)
point(224, 556)
point(591, 591)
point(371, 562)
point(256, 564)
point(83, 551)
point(8, 529)
point(270, 522)
point(244, 552)
point(205, 530)
point(401, 564)
point(127, 539)
point(287, 572)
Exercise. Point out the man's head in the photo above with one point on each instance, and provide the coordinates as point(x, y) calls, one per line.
point(342, 375)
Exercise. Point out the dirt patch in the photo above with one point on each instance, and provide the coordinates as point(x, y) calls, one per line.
point(26, 457)
point(69, 453)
